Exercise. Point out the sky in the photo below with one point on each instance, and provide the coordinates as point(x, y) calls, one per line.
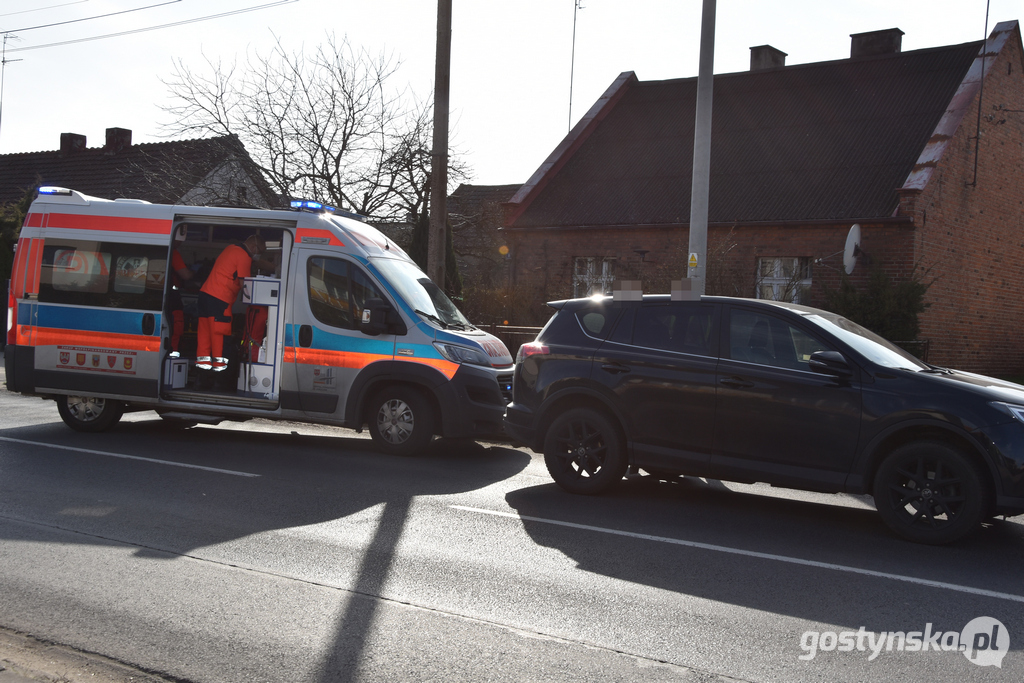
point(510, 61)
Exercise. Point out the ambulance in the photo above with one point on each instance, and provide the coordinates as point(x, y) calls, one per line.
point(355, 334)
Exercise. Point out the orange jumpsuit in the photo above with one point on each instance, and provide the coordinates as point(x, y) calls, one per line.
point(216, 297)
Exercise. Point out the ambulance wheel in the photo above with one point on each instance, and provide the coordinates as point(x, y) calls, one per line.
point(88, 413)
point(401, 421)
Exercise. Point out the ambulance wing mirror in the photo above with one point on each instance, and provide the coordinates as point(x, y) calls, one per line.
point(379, 318)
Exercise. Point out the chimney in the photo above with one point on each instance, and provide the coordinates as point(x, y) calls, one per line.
point(766, 57)
point(118, 140)
point(71, 143)
point(885, 42)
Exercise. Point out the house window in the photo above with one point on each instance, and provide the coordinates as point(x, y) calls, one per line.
point(784, 278)
point(592, 275)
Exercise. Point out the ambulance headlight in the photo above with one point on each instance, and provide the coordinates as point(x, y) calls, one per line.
point(463, 354)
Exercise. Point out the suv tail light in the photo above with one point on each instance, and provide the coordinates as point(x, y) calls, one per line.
point(531, 349)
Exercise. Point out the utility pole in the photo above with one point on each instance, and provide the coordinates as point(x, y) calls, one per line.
point(437, 243)
point(699, 190)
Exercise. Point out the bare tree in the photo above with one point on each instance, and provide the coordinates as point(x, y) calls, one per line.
point(325, 126)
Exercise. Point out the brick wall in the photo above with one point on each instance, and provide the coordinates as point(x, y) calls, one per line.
point(543, 260)
point(970, 234)
point(967, 239)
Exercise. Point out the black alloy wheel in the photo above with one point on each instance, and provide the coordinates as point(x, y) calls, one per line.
point(583, 452)
point(929, 492)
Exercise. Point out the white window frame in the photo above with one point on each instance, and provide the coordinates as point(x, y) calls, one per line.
point(783, 278)
point(592, 275)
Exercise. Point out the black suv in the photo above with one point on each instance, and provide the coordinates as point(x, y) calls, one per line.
point(762, 391)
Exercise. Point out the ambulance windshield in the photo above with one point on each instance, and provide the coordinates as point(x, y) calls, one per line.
point(421, 293)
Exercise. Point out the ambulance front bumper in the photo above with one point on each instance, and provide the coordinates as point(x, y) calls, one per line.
point(473, 402)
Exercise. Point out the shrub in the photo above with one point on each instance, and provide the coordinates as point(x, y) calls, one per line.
point(887, 307)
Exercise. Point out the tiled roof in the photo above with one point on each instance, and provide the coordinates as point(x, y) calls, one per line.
point(137, 172)
point(470, 200)
point(824, 141)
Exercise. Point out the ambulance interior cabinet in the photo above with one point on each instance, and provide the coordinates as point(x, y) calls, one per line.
point(175, 373)
point(261, 291)
point(258, 379)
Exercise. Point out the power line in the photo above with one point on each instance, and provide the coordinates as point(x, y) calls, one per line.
point(154, 28)
point(98, 16)
point(40, 9)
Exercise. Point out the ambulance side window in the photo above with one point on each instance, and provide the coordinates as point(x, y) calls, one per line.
point(103, 274)
point(337, 291)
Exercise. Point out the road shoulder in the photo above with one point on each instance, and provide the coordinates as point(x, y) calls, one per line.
point(24, 658)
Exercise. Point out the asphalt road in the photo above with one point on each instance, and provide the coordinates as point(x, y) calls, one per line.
point(282, 552)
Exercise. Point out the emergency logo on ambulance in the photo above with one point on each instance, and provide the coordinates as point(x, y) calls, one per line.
point(323, 379)
point(92, 359)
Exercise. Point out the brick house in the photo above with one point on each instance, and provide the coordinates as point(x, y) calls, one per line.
point(889, 140)
point(207, 171)
point(475, 214)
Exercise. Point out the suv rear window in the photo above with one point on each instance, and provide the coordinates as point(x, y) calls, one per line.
point(683, 327)
point(677, 327)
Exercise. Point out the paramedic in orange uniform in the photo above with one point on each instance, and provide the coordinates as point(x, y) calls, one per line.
point(218, 294)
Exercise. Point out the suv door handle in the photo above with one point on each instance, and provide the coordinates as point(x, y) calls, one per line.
point(614, 368)
point(736, 382)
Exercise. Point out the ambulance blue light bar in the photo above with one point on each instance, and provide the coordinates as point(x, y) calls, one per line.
point(47, 189)
point(311, 205)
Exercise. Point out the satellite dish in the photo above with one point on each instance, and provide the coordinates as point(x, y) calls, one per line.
point(852, 249)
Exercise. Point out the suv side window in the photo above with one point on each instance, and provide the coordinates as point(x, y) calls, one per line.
point(595, 321)
point(338, 291)
point(623, 333)
point(767, 340)
point(680, 327)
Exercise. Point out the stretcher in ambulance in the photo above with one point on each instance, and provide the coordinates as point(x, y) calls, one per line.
point(345, 330)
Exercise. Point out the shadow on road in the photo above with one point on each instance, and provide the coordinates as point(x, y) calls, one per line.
point(702, 512)
point(304, 480)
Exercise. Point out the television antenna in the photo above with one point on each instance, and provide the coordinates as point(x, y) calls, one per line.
point(576, 6)
point(3, 70)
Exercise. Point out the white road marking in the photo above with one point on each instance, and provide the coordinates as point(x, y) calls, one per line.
point(751, 553)
point(128, 457)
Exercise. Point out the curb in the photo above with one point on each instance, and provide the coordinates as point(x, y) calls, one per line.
point(24, 659)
